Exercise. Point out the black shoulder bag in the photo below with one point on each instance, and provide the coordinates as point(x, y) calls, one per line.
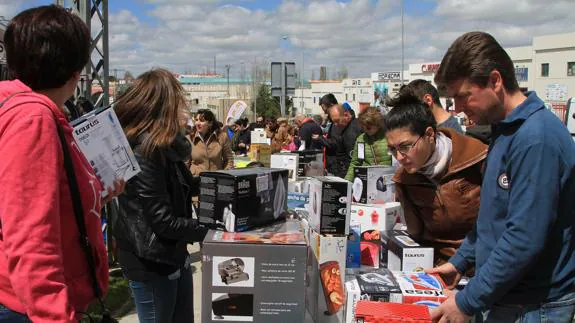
point(80, 222)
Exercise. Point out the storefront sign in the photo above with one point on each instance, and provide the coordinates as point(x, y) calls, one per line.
point(429, 68)
point(386, 76)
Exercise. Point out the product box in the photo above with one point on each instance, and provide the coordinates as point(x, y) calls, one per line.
point(310, 163)
point(242, 273)
point(297, 200)
point(374, 218)
point(420, 288)
point(242, 199)
point(260, 153)
point(299, 186)
point(400, 252)
point(373, 184)
point(378, 312)
point(369, 284)
point(329, 206)
point(101, 140)
point(325, 295)
point(353, 254)
point(287, 161)
point(258, 136)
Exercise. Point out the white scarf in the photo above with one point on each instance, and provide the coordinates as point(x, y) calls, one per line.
point(439, 161)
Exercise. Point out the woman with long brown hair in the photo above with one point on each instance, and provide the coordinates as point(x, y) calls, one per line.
point(155, 224)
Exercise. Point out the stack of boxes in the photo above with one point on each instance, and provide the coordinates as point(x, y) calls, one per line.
point(345, 259)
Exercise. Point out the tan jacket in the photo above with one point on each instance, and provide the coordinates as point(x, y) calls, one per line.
point(213, 154)
point(280, 138)
point(443, 214)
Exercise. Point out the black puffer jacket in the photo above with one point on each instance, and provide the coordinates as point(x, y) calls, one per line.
point(155, 217)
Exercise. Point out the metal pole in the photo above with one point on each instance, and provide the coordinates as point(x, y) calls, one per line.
point(302, 81)
point(402, 9)
point(105, 48)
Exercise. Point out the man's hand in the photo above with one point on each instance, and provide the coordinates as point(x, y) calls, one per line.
point(315, 136)
point(119, 186)
point(449, 274)
point(241, 145)
point(448, 312)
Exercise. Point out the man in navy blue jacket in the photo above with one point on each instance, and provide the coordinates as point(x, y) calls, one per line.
point(523, 246)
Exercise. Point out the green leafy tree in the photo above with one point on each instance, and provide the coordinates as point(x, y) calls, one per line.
point(268, 106)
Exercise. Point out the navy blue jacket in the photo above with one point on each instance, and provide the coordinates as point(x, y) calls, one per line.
point(523, 244)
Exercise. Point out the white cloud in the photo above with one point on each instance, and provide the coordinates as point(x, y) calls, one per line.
point(363, 35)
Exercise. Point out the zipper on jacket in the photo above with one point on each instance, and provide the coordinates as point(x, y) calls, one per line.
point(152, 240)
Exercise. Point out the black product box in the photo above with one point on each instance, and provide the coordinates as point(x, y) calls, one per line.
point(329, 207)
point(310, 163)
point(369, 284)
point(255, 276)
point(242, 199)
point(373, 184)
point(400, 252)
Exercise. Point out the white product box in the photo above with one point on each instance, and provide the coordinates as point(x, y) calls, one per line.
point(373, 184)
point(420, 288)
point(369, 284)
point(258, 136)
point(403, 253)
point(101, 139)
point(325, 294)
point(286, 161)
point(329, 207)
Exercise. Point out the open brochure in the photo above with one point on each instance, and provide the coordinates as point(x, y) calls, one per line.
point(102, 141)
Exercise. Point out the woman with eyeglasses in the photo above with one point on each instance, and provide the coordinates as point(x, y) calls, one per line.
point(439, 180)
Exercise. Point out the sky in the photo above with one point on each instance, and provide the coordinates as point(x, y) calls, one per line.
point(361, 36)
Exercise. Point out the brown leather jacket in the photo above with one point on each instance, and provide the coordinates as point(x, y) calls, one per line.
point(213, 154)
point(442, 214)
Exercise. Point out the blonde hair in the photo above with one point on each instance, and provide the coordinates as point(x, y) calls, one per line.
point(371, 116)
point(154, 104)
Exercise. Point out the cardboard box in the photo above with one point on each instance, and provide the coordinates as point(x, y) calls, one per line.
point(243, 272)
point(242, 199)
point(325, 295)
point(258, 136)
point(378, 312)
point(101, 139)
point(420, 288)
point(369, 284)
point(353, 253)
point(305, 163)
point(374, 218)
point(287, 161)
point(310, 163)
point(329, 205)
point(373, 184)
point(260, 153)
point(402, 253)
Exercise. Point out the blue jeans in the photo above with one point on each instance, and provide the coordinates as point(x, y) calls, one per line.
point(559, 311)
point(9, 316)
point(165, 299)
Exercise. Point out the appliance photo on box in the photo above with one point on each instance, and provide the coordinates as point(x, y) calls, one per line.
point(330, 273)
point(233, 307)
point(233, 271)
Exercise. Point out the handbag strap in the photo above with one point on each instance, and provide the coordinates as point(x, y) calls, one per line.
point(76, 203)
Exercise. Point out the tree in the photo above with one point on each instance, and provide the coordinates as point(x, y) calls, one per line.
point(269, 106)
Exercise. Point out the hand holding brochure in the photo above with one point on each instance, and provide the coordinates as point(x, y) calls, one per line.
point(101, 139)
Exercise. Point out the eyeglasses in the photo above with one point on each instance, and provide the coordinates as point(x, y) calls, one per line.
point(402, 149)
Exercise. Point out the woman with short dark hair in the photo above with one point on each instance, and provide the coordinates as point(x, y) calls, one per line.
point(44, 272)
point(439, 180)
